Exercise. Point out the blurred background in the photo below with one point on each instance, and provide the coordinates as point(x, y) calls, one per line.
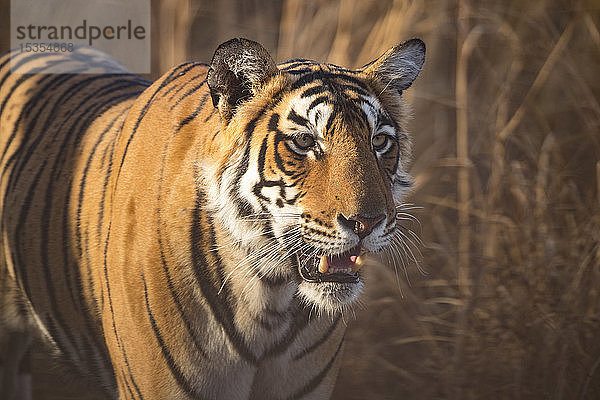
point(503, 301)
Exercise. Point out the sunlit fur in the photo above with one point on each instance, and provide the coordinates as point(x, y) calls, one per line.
point(151, 239)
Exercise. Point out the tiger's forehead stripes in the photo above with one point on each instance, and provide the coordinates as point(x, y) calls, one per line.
point(330, 94)
point(306, 115)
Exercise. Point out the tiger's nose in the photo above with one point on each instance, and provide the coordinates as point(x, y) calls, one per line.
point(362, 225)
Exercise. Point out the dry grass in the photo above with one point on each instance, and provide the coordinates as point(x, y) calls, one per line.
point(507, 150)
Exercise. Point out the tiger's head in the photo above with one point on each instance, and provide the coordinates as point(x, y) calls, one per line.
point(311, 163)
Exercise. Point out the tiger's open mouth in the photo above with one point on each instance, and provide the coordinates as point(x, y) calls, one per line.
point(341, 268)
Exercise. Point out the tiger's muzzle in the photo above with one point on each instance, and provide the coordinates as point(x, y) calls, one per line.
point(341, 268)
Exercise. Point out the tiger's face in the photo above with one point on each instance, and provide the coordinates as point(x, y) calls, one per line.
point(316, 178)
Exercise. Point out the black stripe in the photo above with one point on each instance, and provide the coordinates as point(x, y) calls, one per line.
point(209, 116)
point(242, 168)
point(361, 118)
point(292, 64)
point(324, 76)
point(297, 119)
point(180, 309)
point(257, 188)
point(225, 291)
point(316, 102)
point(221, 310)
point(50, 325)
point(125, 380)
point(126, 385)
point(317, 379)
point(177, 86)
point(329, 123)
point(314, 90)
point(249, 128)
point(65, 243)
point(107, 177)
point(319, 342)
point(278, 160)
point(279, 137)
point(300, 71)
point(6, 56)
point(135, 386)
point(193, 115)
point(188, 93)
point(385, 120)
point(273, 125)
point(107, 148)
point(243, 207)
point(338, 68)
point(112, 311)
point(358, 90)
point(183, 382)
point(181, 87)
point(296, 326)
point(20, 266)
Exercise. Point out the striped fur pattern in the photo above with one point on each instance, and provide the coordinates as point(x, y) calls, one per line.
point(162, 237)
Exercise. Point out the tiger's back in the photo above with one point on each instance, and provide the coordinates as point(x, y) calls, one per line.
point(159, 237)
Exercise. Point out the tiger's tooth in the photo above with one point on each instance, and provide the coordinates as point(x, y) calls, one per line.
point(358, 263)
point(323, 267)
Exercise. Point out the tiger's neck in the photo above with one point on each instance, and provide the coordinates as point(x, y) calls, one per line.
point(260, 304)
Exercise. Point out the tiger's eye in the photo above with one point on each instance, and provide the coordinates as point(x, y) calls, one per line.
point(304, 141)
point(379, 141)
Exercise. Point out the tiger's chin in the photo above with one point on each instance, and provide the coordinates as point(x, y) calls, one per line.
point(330, 297)
point(330, 283)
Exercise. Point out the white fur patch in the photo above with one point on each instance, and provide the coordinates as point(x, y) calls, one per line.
point(329, 297)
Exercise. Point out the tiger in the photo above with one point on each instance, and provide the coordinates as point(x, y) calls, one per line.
point(200, 236)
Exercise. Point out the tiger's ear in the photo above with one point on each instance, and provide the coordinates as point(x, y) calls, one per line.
point(237, 68)
point(399, 66)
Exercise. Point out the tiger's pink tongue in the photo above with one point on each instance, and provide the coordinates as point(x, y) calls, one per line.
point(342, 263)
